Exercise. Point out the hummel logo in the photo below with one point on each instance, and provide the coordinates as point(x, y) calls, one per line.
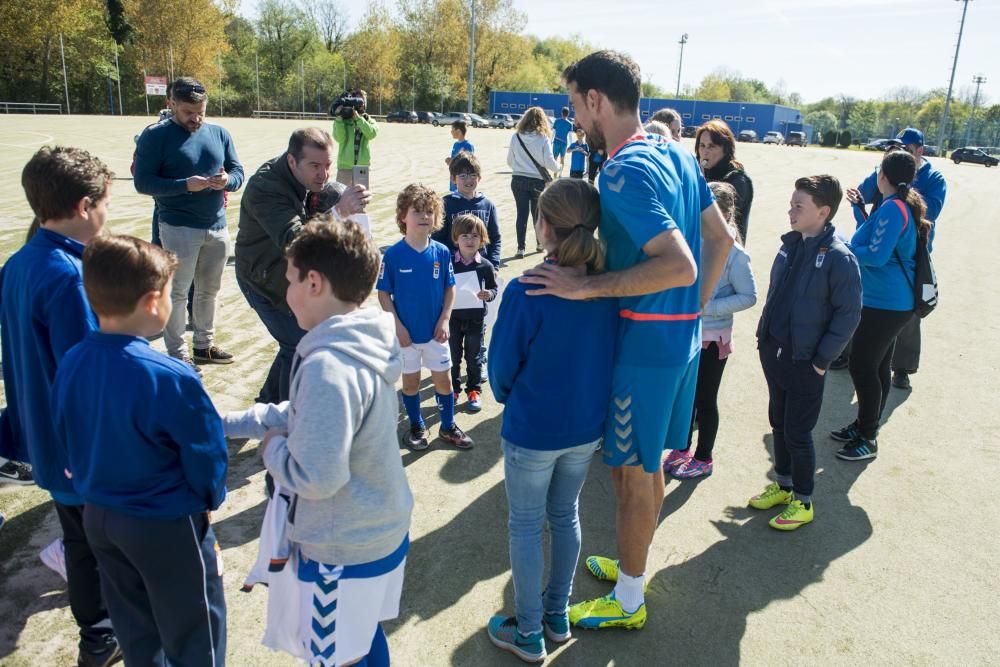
point(623, 404)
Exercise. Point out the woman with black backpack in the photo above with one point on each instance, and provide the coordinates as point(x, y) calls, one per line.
point(532, 164)
point(886, 248)
point(715, 147)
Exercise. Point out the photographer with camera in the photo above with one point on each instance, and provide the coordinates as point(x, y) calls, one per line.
point(352, 130)
point(277, 202)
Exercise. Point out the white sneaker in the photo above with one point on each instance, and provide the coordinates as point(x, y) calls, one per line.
point(54, 557)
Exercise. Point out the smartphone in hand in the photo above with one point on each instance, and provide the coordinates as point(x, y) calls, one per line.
point(359, 176)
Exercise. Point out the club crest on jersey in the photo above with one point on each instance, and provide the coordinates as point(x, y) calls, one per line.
point(381, 271)
point(437, 270)
point(820, 257)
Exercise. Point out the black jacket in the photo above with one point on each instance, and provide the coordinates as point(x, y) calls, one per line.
point(826, 306)
point(729, 173)
point(272, 211)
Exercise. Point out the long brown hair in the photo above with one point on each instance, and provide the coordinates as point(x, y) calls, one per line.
point(572, 209)
point(720, 134)
point(534, 120)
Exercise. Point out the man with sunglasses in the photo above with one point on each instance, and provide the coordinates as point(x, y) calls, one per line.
point(932, 187)
point(187, 165)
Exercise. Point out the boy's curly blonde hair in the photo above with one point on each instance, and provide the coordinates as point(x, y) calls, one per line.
point(421, 198)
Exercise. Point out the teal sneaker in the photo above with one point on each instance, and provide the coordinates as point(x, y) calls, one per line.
point(556, 627)
point(503, 633)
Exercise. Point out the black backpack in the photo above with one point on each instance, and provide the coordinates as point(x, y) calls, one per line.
point(924, 285)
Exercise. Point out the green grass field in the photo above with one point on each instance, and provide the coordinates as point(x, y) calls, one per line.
point(899, 567)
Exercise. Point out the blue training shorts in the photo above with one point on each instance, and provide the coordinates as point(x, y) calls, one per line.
point(558, 149)
point(650, 411)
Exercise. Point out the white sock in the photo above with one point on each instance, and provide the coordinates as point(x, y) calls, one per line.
point(629, 591)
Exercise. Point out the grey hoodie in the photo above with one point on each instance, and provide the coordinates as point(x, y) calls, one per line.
point(341, 456)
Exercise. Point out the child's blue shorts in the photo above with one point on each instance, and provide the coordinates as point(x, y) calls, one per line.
point(650, 411)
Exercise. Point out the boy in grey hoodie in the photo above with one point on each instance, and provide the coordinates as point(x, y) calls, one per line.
point(332, 446)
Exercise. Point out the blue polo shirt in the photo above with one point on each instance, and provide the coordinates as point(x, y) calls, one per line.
point(417, 281)
point(648, 186)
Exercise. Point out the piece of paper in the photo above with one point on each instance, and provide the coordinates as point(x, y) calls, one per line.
point(467, 291)
point(362, 220)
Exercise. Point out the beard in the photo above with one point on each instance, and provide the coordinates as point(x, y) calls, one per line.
point(595, 138)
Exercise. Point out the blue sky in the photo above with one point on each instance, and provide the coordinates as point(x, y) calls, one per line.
point(862, 48)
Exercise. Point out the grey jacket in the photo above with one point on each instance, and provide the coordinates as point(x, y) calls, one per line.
point(736, 291)
point(340, 458)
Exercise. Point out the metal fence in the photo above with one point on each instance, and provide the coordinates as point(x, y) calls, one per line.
point(29, 107)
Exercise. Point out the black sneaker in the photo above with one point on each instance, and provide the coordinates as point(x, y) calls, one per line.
point(212, 355)
point(901, 380)
point(849, 433)
point(183, 356)
point(15, 472)
point(840, 363)
point(416, 438)
point(859, 450)
point(456, 436)
point(105, 658)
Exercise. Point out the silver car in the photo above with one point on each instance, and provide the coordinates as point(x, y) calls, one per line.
point(501, 120)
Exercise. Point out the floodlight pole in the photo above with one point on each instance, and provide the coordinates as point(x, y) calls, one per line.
point(256, 59)
point(978, 80)
point(680, 64)
point(62, 52)
point(472, 51)
point(121, 110)
point(951, 83)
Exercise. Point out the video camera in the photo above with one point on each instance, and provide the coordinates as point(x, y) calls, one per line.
point(348, 103)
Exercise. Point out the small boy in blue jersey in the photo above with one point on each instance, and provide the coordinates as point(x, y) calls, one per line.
point(147, 456)
point(579, 152)
point(561, 129)
point(458, 131)
point(417, 285)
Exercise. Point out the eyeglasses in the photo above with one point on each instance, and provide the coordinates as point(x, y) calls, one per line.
point(467, 177)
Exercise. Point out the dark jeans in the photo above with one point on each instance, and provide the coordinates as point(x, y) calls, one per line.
point(592, 169)
point(795, 392)
point(467, 333)
point(526, 191)
point(871, 355)
point(283, 328)
point(162, 585)
point(83, 582)
point(706, 402)
point(906, 356)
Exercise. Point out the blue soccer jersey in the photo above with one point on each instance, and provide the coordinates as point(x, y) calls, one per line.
point(562, 128)
point(417, 281)
point(649, 186)
point(460, 146)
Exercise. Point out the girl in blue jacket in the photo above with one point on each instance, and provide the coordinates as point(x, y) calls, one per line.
point(550, 364)
point(885, 245)
point(736, 291)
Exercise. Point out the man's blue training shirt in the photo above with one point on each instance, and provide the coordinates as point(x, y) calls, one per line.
point(417, 281)
point(562, 128)
point(650, 186)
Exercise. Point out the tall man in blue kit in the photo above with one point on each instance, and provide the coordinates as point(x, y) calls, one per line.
point(185, 165)
point(667, 246)
point(560, 140)
point(932, 187)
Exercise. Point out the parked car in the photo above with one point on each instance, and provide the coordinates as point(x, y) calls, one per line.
point(426, 116)
point(796, 139)
point(402, 117)
point(747, 135)
point(974, 155)
point(450, 117)
point(478, 121)
point(689, 131)
point(501, 120)
point(931, 151)
point(880, 144)
point(773, 138)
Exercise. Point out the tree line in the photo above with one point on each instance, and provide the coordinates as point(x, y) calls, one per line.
point(300, 55)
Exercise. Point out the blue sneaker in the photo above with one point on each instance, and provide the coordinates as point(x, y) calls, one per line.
point(503, 633)
point(474, 404)
point(556, 627)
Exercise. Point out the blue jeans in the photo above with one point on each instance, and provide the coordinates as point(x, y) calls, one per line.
point(283, 328)
point(544, 485)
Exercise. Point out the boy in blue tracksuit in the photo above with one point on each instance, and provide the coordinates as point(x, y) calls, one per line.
point(147, 455)
point(462, 145)
point(43, 313)
point(813, 307)
point(579, 152)
point(560, 139)
point(466, 175)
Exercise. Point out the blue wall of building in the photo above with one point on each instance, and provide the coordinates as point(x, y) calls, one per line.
point(761, 118)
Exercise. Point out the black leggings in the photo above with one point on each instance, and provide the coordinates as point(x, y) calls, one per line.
point(526, 191)
point(871, 356)
point(706, 402)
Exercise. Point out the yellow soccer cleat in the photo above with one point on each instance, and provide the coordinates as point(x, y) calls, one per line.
point(772, 495)
point(795, 516)
point(606, 612)
point(605, 569)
